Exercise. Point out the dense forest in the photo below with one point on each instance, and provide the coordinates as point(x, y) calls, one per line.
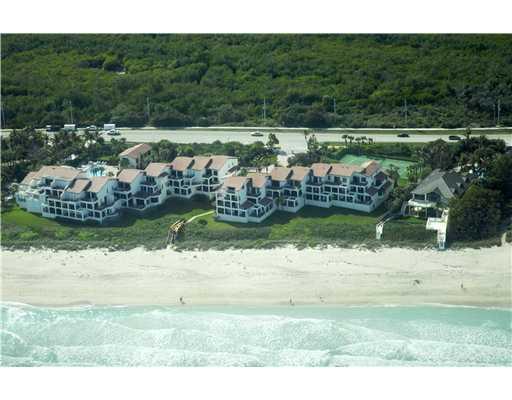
point(286, 80)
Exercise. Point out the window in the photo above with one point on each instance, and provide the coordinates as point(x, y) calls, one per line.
point(242, 213)
point(309, 197)
point(220, 202)
point(308, 189)
point(220, 211)
point(327, 188)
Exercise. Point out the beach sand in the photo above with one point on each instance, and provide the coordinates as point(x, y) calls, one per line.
point(473, 277)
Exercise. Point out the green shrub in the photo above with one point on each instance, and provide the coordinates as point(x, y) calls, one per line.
point(28, 235)
point(62, 234)
point(85, 236)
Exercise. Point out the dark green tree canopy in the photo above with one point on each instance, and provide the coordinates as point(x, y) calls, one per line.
point(447, 80)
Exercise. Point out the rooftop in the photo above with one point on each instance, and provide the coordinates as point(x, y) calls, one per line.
point(156, 169)
point(128, 175)
point(58, 172)
point(446, 183)
point(321, 169)
point(235, 182)
point(136, 151)
point(181, 163)
point(98, 182)
point(79, 185)
point(280, 173)
point(258, 179)
point(344, 169)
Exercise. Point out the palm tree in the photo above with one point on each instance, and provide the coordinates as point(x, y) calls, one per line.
point(351, 139)
point(467, 133)
point(345, 138)
point(358, 141)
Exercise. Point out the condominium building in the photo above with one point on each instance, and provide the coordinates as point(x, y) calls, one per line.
point(77, 194)
point(245, 198)
point(358, 187)
point(67, 192)
point(135, 156)
point(200, 175)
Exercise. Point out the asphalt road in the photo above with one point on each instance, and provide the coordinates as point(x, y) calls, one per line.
point(289, 141)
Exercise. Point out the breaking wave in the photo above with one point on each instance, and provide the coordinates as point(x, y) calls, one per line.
point(234, 336)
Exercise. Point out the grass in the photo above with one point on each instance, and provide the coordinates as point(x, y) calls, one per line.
point(312, 226)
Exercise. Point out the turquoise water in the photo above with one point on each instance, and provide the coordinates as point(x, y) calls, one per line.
point(236, 336)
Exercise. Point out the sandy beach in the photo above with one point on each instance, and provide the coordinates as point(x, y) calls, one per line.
point(259, 277)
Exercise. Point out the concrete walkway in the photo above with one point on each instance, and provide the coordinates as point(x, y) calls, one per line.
point(199, 215)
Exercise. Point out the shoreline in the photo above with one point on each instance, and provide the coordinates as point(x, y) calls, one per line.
point(309, 277)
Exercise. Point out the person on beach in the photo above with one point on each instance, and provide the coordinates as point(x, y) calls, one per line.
point(181, 301)
point(291, 302)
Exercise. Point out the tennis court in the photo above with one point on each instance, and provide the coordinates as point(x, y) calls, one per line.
point(385, 162)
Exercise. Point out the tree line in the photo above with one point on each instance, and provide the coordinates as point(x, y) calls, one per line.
point(277, 80)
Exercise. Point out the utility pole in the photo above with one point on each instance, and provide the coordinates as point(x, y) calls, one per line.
point(71, 110)
point(499, 110)
point(2, 121)
point(405, 108)
point(334, 105)
point(264, 110)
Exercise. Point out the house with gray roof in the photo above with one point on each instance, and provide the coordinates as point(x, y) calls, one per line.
point(433, 193)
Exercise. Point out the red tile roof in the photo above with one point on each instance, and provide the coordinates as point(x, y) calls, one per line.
point(280, 173)
point(321, 169)
point(136, 151)
point(181, 163)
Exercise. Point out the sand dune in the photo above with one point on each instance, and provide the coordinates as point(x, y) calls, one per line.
point(312, 276)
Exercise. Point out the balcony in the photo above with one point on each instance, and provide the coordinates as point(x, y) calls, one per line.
point(145, 195)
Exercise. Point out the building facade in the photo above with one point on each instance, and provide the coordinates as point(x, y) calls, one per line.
point(77, 194)
point(135, 156)
point(432, 195)
point(256, 196)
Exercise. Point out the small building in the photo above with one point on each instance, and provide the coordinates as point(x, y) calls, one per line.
point(69, 127)
point(135, 156)
point(108, 127)
point(433, 193)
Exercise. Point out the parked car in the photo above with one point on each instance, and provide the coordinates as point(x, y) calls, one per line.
point(256, 134)
point(113, 132)
point(454, 137)
point(403, 135)
point(52, 128)
point(92, 128)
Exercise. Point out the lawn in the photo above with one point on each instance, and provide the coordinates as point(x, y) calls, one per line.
point(309, 227)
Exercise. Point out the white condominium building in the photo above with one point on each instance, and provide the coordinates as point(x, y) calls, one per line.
point(358, 187)
point(76, 194)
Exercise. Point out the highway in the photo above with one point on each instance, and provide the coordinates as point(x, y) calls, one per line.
point(290, 141)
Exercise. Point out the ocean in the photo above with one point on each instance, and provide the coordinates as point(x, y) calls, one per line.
point(312, 336)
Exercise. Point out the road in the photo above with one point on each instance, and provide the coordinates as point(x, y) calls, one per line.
point(289, 141)
point(292, 140)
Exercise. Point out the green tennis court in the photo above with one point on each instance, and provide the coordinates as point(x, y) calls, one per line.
point(385, 162)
